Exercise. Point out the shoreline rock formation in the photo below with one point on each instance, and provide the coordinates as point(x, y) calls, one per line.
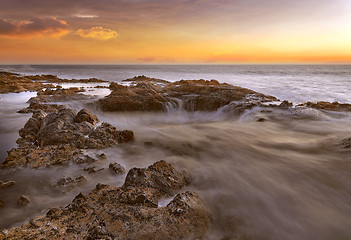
point(149, 94)
point(127, 212)
point(13, 82)
point(60, 136)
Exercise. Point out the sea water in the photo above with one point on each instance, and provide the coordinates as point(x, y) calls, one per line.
point(285, 178)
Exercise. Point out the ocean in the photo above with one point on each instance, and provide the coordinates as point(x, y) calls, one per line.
point(285, 178)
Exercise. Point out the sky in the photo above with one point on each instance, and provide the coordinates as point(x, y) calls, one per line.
point(175, 31)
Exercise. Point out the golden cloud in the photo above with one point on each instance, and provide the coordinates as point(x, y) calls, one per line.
point(37, 27)
point(99, 33)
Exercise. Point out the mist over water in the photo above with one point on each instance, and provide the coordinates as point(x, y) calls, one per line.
point(285, 178)
point(296, 83)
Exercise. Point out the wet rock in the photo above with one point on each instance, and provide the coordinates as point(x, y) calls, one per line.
point(60, 95)
point(85, 115)
point(6, 184)
point(45, 156)
point(68, 184)
point(328, 106)
point(161, 176)
point(23, 201)
point(285, 104)
point(125, 213)
point(147, 94)
point(106, 135)
point(117, 168)
point(345, 143)
point(142, 97)
point(11, 82)
point(47, 108)
point(92, 169)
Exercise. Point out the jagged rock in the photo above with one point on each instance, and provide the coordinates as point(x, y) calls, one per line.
point(23, 201)
point(68, 184)
point(117, 168)
point(149, 94)
point(85, 115)
point(346, 143)
point(334, 106)
point(125, 213)
point(106, 135)
point(47, 108)
point(92, 169)
point(161, 176)
point(6, 184)
point(45, 156)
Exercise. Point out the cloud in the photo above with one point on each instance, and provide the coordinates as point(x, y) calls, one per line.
point(99, 33)
point(36, 27)
point(85, 16)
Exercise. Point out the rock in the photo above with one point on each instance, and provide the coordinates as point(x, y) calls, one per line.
point(117, 168)
point(125, 213)
point(346, 143)
point(161, 176)
point(47, 108)
point(328, 106)
point(106, 135)
point(6, 184)
point(147, 94)
point(85, 115)
point(68, 184)
point(92, 169)
point(2, 204)
point(23, 201)
point(285, 104)
point(45, 156)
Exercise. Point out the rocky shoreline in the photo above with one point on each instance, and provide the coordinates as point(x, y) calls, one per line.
point(57, 135)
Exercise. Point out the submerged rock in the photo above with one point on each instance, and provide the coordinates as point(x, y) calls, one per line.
point(6, 184)
point(328, 106)
point(23, 201)
point(126, 212)
point(148, 94)
point(117, 168)
point(68, 184)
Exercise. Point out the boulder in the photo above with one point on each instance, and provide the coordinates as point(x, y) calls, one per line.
point(148, 94)
point(6, 184)
point(117, 168)
point(23, 201)
point(125, 213)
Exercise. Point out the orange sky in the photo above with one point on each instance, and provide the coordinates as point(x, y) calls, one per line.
point(175, 31)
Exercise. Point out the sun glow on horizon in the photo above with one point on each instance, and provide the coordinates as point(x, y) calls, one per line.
point(153, 32)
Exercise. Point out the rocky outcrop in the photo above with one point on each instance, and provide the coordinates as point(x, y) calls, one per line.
point(117, 168)
point(59, 137)
point(35, 106)
point(6, 184)
point(328, 106)
point(12, 82)
point(127, 212)
point(148, 94)
point(68, 184)
point(60, 95)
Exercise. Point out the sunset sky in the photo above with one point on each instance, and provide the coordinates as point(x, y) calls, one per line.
point(174, 31)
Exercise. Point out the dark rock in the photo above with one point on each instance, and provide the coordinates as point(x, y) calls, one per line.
point(161, 176)
point(92, 169)
point(68, 184)
point(346, 143)
point(2, 204)
point(285, 104)
point(6, 184)
point(47, 108)
point(117, 168)
point(85, 115)
point(23, 201)
point(125, 213)
point(149, 94)
point(328, 106)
